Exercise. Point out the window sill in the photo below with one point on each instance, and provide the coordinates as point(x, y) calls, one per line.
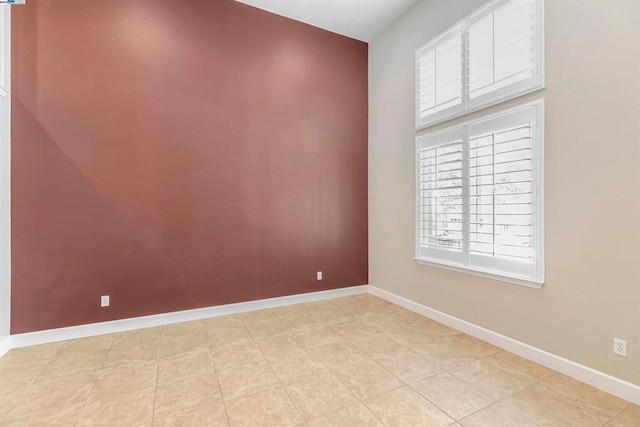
point(530, 283)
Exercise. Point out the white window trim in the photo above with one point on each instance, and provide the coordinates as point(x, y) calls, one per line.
point(516, 279)
point(465, 108)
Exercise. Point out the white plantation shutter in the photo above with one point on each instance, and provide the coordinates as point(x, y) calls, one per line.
point(502, 49)
point(493, 220)
point(494, 55)
point(503, 192)
point(440, 195)
point(439, 77)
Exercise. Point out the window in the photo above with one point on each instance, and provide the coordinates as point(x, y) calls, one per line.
point(440, 76)
point(479, 202)
point(491, 56)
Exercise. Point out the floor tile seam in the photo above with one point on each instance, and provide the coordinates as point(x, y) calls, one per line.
point(224, 407)
point(155, 390)
point(587, 410)
point(183, 378)
point(197, 349)
point(283, 387)
point(86, 398)
point(332, 373)
point(253, 337)
point(494, 401)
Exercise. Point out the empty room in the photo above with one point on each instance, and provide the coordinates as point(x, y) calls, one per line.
point(320, 213)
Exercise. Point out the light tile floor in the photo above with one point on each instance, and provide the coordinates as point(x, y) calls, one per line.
point(354, 361)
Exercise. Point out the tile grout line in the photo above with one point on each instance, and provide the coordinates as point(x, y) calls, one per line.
point(95, 379)
point(215, 371)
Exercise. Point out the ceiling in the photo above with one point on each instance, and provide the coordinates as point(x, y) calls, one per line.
point(358, 19)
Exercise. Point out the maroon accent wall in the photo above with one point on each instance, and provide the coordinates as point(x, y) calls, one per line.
point(181, 154)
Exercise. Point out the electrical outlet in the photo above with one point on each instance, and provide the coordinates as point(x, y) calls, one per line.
point(620, 347)
point(104, 301)
point(319, 275)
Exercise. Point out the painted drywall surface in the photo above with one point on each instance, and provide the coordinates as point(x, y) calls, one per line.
point(176, 155)
point(592, 162)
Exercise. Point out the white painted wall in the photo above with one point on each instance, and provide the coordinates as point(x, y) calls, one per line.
point(592, 161)
point(5, 178)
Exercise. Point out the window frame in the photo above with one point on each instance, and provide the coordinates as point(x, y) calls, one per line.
point(445, 260)
point(509, 92)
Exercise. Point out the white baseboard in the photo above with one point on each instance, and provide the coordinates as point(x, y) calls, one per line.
point(5, 345)
point(610, 384)
point(93, 329)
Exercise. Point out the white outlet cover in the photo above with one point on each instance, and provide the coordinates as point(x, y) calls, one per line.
point(319, 275)
point(620, 347)
point(104, 301)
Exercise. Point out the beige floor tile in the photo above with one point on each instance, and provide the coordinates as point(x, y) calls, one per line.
point(281, 346)
point(10, 396)
point(225, 330)
point(443, 354)
point(246, 379)
point(269, 407)
point(127, 409)
point(367, 379)
point(468, 344)
point(209, 416)
point(20, 374)
point(327, 312)
point(351, 416)
point(184, 366)
point(404, 407)
point(292, 311)
point(456, 398)
point(173, 345)
point(431, 327)
point(62, 417)
point(230, 322)
point(121, 356)
point(83, 346)
point(355, 329)
point(50, 398)
point(321, 356)
point(121, 379)
point(301, 323)
point(148, 338)
point(298, 365)
point(263, 324)
point(603, 405)
point(193, 328)
point(547, 409)
point(339, 355)
point(376, 345)
point(629, 417)
point(410, 338)
point(185, 394)
point(316, 337)
point(498, 415)
point(519, 367)
point(319, 395)
point(30, 354)
point(66, 364)
point(407, 365)
point(233, 355)
point(492, 381)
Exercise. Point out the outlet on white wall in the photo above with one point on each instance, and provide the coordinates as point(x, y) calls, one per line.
point(319, 275)
point(620, 347)
point(104, 301)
